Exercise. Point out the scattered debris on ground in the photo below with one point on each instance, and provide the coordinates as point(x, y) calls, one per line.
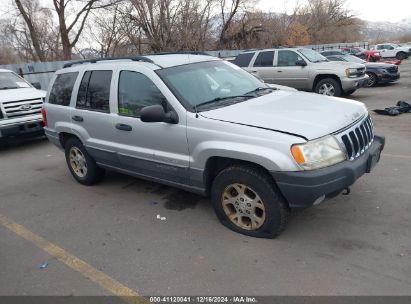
point(401, 107)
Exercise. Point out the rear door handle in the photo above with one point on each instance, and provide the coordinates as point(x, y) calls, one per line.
point(123, 127)
point(279, 71)
point(77, 118)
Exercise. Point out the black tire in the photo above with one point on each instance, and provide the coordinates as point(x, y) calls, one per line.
point(401, 56)
point(348, 93)
point(372, 81)
point(329, 82)
point(276, 210)
point(93, 174)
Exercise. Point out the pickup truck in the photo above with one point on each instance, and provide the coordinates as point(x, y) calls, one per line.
point(392, 50)
point(20, 106)
point(304, 69)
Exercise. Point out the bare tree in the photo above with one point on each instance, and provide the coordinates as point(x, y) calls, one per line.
point(326, 20)
point(26, 8)
point(172, 24)
point(79, 17)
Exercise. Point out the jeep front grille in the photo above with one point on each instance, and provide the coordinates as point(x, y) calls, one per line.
point(358, 138)
point(20, 108)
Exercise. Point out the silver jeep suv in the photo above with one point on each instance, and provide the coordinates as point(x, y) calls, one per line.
point(207, 126)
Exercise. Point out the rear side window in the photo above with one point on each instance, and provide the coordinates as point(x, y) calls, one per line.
point(62, 89)
point(136, 91)
point(94, 91)
point(243, 60)
point(264, 59)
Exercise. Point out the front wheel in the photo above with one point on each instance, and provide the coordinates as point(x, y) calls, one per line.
point(372, 81)
point(246, 201)
point(81, 165)
point(329, 87)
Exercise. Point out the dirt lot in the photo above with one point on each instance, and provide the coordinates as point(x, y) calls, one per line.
point(353, 245)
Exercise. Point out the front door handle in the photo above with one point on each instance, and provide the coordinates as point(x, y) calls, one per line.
point(279, 71)
point(123, 127)
point(77, 118)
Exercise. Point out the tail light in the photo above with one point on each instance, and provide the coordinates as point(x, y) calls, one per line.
point(43, 114)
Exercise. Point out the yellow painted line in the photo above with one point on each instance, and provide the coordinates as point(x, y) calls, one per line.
point(85, 269)
point(397, 156)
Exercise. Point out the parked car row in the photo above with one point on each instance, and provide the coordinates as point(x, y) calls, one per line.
point(333, 72)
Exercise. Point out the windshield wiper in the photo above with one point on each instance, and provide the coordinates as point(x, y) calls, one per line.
point(221, 99)
point(260, 89)
point(8, 88)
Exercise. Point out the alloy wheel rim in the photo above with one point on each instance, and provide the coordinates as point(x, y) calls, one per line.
point(371, 80)
point(243, 206)
point(327, 89)
point(78, 162)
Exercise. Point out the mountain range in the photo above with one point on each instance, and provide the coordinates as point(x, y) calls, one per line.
point(382, 30)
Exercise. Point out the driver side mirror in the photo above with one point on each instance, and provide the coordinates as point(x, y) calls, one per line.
point(156, 113)
point(301, 63)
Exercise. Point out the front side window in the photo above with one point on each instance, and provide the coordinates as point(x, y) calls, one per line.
point(312, 55)
point(264, 59)
point(94, 91)
point(287, 58)
point(211, 84)
point(62, 89)
point(136, 91)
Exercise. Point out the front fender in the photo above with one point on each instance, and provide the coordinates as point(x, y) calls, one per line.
point(270, 159)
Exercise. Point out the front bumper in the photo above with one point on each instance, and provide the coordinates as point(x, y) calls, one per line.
point(302, 188)
point(349, 84)
point(388, 77)
point(27, 128)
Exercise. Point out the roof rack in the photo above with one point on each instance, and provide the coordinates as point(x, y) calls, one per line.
point(180, 52)
point(134, 58)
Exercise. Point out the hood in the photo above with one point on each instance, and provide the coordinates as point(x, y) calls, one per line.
point(336, 64)
point(307, 115)
point(21, 94)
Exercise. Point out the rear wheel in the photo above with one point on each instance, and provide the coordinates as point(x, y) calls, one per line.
point(81, 165)
point(372, 81)
point(246, 201)
point(329, 87)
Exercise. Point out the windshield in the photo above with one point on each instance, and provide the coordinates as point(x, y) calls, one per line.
point(351, 58)
point(312, 55)
point(9, 80)
point(211, 84)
